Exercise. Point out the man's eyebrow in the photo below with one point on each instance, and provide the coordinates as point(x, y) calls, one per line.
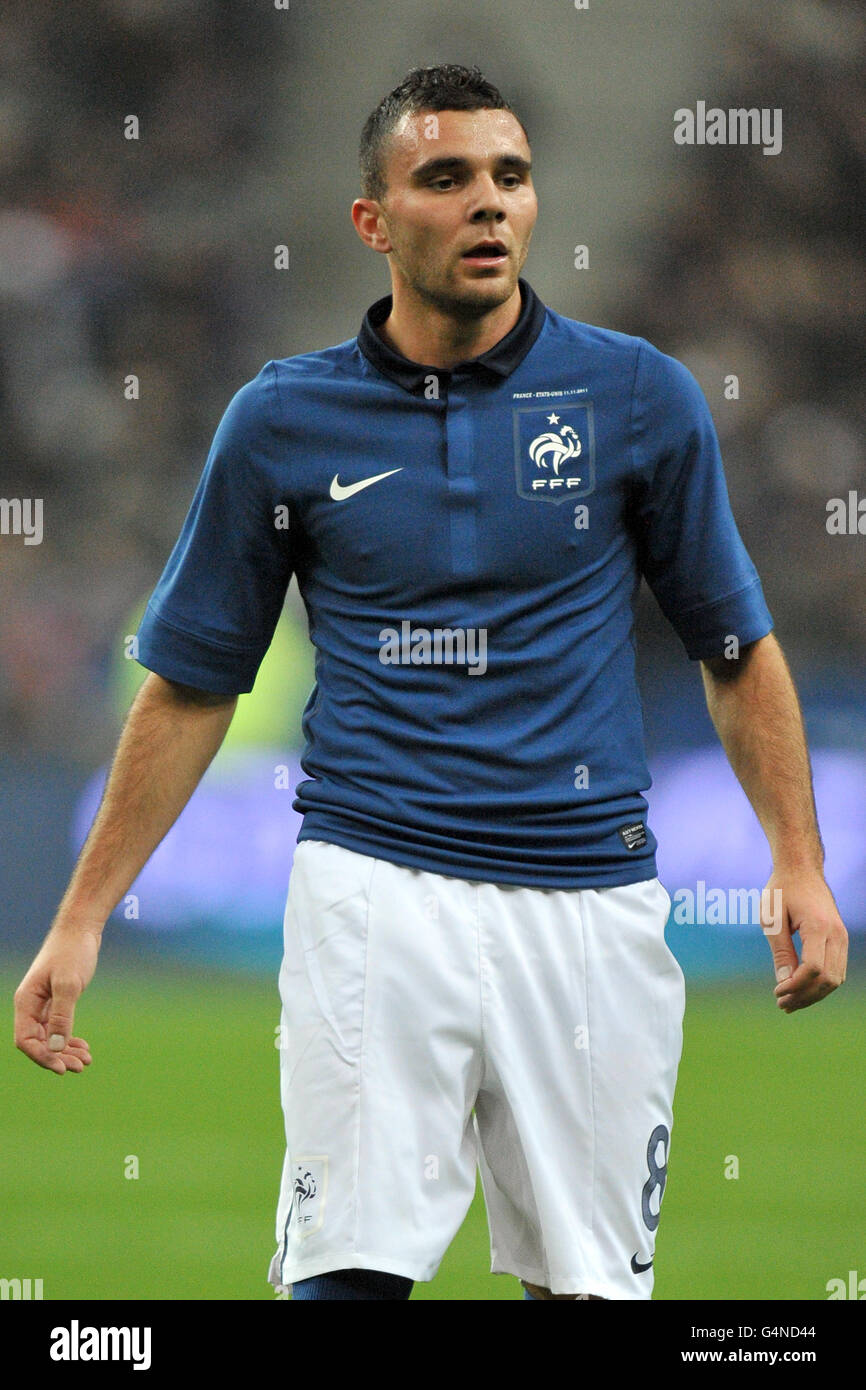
point(456, 164)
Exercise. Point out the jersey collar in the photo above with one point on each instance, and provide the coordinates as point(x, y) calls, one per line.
point(502, 358)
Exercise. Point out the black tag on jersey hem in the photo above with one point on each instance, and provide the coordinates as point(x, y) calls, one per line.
point(633, 836)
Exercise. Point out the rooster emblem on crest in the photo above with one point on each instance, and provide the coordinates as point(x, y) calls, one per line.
point(556, 447)
point(305, 1190)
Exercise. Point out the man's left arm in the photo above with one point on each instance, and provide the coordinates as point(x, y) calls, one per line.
point(753, 704)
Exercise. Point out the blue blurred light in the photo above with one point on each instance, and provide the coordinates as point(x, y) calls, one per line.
point(227, 860)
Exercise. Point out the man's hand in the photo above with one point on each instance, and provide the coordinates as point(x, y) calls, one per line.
point(802, 902)
point(753, 704)
point(171, 734)
point(46, 998)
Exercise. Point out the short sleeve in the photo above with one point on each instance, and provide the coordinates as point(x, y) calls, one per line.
point(213, 613)
point(690, 550)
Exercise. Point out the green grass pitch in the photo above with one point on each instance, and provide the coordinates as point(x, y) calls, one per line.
point(185, 1078)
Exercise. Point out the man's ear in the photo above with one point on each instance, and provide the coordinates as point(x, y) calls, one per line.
point(370, 224)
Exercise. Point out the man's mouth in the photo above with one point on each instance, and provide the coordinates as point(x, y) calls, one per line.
point(486, 253)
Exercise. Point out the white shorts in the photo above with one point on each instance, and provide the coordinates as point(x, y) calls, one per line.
point(430, 1024)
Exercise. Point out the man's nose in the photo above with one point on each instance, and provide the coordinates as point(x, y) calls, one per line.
point(488, 202)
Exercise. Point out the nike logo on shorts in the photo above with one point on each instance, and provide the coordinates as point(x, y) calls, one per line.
point(637, 1267)
point(340, 491)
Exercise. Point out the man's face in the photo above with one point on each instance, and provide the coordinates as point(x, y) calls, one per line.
point(457, 182)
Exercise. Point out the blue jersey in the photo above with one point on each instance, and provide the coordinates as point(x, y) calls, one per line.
point(469, 546)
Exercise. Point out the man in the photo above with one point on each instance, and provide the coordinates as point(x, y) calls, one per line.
point(475, 967)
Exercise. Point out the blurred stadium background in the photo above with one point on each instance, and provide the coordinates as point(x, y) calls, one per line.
point(155, 257)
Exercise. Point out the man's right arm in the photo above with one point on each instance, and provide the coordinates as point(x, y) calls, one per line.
point(170, 737)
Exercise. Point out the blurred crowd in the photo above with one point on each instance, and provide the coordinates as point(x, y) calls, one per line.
point(144, 257)
point(119, 258)
point(759, 271)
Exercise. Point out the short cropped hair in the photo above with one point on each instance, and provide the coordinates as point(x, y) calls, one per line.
point(446, 87)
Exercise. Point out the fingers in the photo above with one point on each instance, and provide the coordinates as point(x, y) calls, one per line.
point(784, 952)
point(43, 1027)
point(806, 986)
point(803, 904)
point(75, 1056)
point(821, 970)
point(45, 1000)
point(836, 960)
point(61, 1014)
point(74, 1060)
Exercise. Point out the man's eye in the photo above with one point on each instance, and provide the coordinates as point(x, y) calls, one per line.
point(442, 183)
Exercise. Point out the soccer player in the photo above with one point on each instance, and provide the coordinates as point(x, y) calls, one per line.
point(475, 967)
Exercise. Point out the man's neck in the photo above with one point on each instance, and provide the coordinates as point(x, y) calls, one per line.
point(423, 333)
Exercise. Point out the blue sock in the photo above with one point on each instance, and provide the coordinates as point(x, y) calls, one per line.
point(353, 1283)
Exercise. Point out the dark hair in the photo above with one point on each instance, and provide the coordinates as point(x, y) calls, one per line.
point(446, 87)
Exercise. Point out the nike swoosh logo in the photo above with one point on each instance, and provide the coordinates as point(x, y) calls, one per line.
point(637, 1267)
point(340, 491)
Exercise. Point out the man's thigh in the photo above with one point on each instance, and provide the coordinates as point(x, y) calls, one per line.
point(380, 1063)
point(583, 1036)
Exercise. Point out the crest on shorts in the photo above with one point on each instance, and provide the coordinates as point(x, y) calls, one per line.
point(309, 1191)
point(554, 451)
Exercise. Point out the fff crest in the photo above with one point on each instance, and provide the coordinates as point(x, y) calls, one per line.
point(309, 1192)
point(554, 451)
